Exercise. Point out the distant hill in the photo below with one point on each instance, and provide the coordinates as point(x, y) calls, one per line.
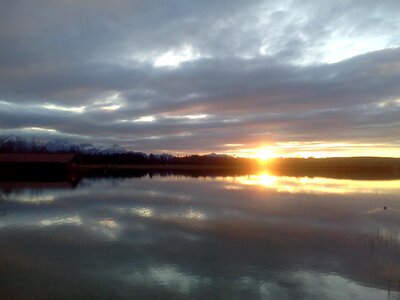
point(13, 143)
point(92, 154)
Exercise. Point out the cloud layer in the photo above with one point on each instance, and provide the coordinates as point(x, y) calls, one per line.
point(191, 77)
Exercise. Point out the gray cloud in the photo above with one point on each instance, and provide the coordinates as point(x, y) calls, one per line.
point(254, 73)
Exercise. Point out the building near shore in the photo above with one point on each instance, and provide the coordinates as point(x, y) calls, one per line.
point(36, 162)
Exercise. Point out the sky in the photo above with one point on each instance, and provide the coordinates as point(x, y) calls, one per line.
point(293, 78)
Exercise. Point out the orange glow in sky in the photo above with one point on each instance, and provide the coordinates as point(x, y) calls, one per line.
point(316, 150)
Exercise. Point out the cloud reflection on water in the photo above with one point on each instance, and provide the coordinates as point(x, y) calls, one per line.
point(185, 237)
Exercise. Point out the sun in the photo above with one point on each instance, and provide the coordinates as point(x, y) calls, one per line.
point(264, 154)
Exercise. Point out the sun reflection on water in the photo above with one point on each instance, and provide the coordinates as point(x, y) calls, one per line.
point(317, 185)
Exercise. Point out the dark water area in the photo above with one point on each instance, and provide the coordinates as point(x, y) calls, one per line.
point(177, 236)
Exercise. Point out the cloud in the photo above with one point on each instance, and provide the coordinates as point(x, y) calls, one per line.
point(261, 71)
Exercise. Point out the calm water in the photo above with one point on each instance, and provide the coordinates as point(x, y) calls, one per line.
point(171, 237)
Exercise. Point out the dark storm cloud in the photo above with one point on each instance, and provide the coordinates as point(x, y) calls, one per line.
point(255, 72)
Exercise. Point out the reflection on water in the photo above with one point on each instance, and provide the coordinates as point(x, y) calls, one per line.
point(318, 185)
point(239, 237)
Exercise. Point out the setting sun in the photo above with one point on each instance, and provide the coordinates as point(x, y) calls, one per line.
point(264, 154)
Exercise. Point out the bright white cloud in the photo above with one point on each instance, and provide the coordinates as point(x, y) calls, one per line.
point(40, 129)
point(338, 49)
point(78, 109)
point(111, 107)
point(190, 117)
point(111, 101)
point(196, 117)
point(175, 58)
point(145, 119)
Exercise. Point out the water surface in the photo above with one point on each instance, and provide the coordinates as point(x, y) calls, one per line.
point(172, 237)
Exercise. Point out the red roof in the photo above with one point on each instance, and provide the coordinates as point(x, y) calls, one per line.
point(35, 158)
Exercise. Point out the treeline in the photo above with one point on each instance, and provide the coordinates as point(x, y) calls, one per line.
point(337, 162)
point(163, 159)
point(338, 167)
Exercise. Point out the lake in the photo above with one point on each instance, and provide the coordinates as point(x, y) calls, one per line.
point(200, 237)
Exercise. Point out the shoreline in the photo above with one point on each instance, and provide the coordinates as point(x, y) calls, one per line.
point(338, 172)
point(164, 167)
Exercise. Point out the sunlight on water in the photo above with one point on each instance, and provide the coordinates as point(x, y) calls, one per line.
point(258, 236)
point(316, 185)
